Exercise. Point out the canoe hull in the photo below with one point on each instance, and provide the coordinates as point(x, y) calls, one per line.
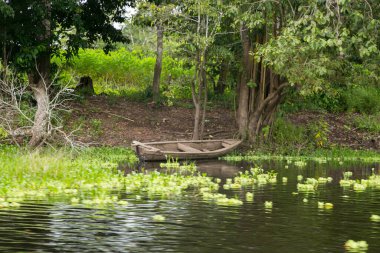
point(184, 150)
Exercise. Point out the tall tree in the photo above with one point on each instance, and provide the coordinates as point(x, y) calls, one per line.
point(200, 23)
point(156, 13)
point(35, 33)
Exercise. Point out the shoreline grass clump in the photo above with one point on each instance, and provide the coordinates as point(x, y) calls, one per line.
point(90, 177)
point(47, 173)
point(339, 155)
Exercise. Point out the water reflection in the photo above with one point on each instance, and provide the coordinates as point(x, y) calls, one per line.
point(193, 225)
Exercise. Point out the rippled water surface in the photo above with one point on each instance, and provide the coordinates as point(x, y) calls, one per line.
point(193, 225)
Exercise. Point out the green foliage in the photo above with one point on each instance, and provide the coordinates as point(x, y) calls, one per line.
point(3, 133)
point(27, 115)
point(363, 99)
point(370, 123)
point(319, 131)
point(318, 50)
point(96, 125)
point(50, 172)
point(286, 134)
point(128, 73)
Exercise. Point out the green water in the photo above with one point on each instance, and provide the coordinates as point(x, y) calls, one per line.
point(193, 225)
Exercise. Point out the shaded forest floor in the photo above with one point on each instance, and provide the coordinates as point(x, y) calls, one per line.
point(110, 121)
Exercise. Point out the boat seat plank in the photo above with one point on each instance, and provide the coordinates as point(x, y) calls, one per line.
point(186, 148)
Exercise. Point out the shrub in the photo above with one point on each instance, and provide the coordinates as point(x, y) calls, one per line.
point(287, 134)
point(363, 100)
point(370, 123)
point(122, 70)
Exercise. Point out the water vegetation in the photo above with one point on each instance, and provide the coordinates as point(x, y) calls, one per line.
point(47, 173)
point(334, 154)
point(90, 177)
point(373, 181)
point(268, 204)
point(375, 217)
point(158, 218)
point(356, 246)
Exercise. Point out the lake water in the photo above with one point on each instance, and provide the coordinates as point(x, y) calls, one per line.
point(193, 225)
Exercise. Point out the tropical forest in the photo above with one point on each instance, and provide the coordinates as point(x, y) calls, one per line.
point(190, 126)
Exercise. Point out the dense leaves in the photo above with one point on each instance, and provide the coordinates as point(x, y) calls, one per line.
point(74, 25)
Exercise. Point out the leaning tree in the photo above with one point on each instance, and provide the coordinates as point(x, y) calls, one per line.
point(36, 30)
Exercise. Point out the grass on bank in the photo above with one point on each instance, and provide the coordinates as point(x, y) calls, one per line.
point(319, 155)
point(89, 178)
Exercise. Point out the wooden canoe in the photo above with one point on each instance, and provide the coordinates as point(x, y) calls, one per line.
point(184, 150)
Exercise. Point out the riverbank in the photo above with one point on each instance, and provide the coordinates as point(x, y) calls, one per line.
point(115, 121)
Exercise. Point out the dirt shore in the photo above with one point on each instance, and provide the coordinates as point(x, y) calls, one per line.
point(102, 120)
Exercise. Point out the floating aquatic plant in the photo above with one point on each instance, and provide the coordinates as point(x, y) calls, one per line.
point(284, 180)
point(323, 205)
point(254, 176)
point(356, 246)
point(324, 180)
point(299, 178)
point(268, 204)
point(373, 181)
point(375, 218)
point(249, 196)
point(229, 202)
point(306, 187)
point(221, 199)
point(158, 218)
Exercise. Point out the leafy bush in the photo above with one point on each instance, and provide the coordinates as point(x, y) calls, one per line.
point(363, 100)
point(286, 134)
point(319, 132)
point(121, 71)
point(370, 123)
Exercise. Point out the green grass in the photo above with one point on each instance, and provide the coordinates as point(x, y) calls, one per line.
point(88, 178)
point(51, 172)
point(318, 155)
point(369, 123)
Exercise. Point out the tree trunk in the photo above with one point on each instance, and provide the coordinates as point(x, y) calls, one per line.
point(158, 65)
point(258, 101)
point(243, 103)
point(39, 81)
point(263, 112)
point(197, 96)
point(197, 119)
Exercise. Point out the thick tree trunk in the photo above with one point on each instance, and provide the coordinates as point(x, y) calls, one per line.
point(158, 65)
point(39, 81)
point(264, 112)
point(259, 90)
